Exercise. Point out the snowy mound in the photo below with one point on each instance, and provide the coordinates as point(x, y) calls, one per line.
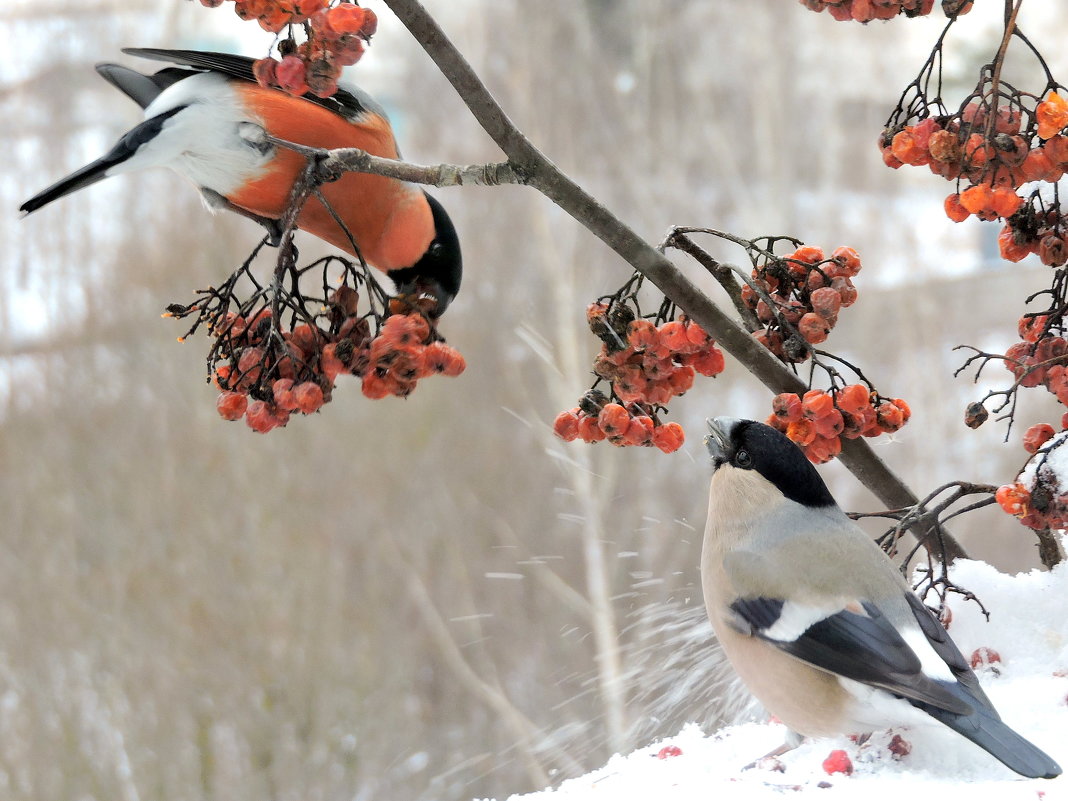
point(1028, 630)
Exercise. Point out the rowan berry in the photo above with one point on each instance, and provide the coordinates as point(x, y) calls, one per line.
point(1037, 436)
point(613, 419)
point(565, 425)
point(1052, 115)
point(232, 405)
point(801, 431)
point(816, 404)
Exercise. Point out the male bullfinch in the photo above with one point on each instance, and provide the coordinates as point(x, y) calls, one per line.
point(208, 120)
point(816, 620)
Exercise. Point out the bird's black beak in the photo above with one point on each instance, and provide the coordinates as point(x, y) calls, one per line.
point(716, 441)
point(426, 294)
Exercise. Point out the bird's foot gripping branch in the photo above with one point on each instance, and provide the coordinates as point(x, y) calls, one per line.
point(279, 348)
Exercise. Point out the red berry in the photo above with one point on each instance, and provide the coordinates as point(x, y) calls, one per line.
point(639, 431)
point(642, 334)
point(984, 657)
point(808, 254)
point(565, 425)
point(232, 405)
point(668, 437)
point(802, 431)
point(441, 358)
point(290, 74)
point(853, 399)
point(906, 410)
point(708, 363)
point(845, 289)
point(309, 397)
point(613, 419)
point(786, 407)
point(813, 328)
point(260, 418)
point(816, 404)
point(669, 751)
point(283, 394)
point(698, 337)
point(673, 337)
point(330, 364)
point(822, 449)
point(588, 430)
point(1031, 327)
point(838, 762)
point(347, 18)
point(826, 302)
point(1013, 498)
point(263, 70)
point(889, 417)
point(1010, 245)
point(1037, 436)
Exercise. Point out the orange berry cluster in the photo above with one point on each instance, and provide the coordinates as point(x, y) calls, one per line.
point(337, 34)
point(818, 420)
point(596, 419)
point(1045, 503)
point(807, 290)
point(648, 363)
point(868, 10)
point(1042, 231)
point(996, 153)
point(267, 373)
point(1040, 358)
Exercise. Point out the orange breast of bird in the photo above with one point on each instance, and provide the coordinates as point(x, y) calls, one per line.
point(390, 221)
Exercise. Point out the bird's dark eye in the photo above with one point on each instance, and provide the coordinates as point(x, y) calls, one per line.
point(743, 459)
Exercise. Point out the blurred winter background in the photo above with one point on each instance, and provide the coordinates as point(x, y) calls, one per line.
point(433, 598)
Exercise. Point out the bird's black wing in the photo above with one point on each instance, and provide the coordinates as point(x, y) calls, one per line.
point(868, 649)
point(343, 102)
point(940, 641)
point(864, 648)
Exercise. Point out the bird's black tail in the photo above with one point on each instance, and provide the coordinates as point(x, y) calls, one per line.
point(126, 147)
point(985, 728)
point(142, 89)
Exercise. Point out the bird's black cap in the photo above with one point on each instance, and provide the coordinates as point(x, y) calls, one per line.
point(440, 269)
point(749, 445)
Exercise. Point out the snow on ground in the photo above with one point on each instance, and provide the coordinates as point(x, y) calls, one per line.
point(1028, 628)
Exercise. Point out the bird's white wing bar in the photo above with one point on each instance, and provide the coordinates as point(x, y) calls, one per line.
point(862, 647)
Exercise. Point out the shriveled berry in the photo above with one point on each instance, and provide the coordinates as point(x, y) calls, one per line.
point(975, 414)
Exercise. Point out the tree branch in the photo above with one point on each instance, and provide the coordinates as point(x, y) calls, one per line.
point(542, 174)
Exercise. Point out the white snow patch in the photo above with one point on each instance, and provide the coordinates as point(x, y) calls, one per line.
point(1029, 629)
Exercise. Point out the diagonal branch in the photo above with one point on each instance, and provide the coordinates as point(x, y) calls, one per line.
point(538, 171)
